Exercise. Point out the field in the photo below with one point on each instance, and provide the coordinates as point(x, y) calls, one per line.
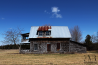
point(12, 57)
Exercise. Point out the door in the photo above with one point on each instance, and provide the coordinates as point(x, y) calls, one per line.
point(58, 46)
point(48, 47)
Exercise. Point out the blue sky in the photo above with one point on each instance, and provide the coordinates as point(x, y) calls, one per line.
point(27, 13)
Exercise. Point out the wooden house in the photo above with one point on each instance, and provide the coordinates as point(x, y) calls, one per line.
point(46, 39)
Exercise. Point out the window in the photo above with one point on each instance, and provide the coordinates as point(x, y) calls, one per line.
point(25, 46)
point(27, 37)
point(35, 46)
point(40, 33)
point(44, 33)
point(24, 37)
point(47, 33)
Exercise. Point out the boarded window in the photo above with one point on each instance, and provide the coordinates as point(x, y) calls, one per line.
point(58, 46)
point(35, 46)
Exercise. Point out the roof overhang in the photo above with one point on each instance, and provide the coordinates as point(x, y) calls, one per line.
point(49, 39)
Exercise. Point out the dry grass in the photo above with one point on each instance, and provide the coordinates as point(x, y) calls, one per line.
point(12, 57)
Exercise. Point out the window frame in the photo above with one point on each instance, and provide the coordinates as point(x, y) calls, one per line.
point(47, 33)
point(37, 47)
point(25, 37)
point(40, 32)
point(60, 47)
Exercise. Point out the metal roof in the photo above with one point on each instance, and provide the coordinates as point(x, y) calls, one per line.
point(25, 34)
point(56, 32)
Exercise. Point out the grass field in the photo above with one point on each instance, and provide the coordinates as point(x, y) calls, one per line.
point(12, 57)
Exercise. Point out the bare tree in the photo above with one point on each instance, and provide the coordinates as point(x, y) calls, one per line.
point(97, 37)
point(93, 38)
point(76, 34)
point(12, 36)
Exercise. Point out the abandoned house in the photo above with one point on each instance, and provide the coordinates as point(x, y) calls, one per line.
point(45, 39)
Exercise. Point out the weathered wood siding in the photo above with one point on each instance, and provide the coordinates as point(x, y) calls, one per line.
point(24, 40)
point(65, 47)
point(31, 47)
point(77, 48)
point(42, 47)
point(53, 47)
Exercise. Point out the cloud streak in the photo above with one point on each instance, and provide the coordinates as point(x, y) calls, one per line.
point(46, 12)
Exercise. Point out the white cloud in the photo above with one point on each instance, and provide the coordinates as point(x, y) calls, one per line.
point(2, 18)
point(58, 16)
point(55, 11)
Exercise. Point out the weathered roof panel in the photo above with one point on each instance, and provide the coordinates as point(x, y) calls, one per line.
point(56, 32)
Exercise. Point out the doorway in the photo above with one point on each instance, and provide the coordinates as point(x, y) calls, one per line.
point(58, 46)
point(48, 47)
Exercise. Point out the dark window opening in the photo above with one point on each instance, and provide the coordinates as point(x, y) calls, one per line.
point(47, 33)
point(35, 46)
point(25, 37)
point(40, 33)
point(48, 47)
point(58, 46)
point(43, 33)
point(25, 46)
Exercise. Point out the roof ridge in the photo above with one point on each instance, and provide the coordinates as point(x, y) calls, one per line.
point(52, 26)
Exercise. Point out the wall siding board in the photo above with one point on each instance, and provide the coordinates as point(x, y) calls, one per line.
point(53, 47)
point(65, 47)
point(31, 46)
point(43, 47)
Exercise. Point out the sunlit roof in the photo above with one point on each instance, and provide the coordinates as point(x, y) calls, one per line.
point(56, 32)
